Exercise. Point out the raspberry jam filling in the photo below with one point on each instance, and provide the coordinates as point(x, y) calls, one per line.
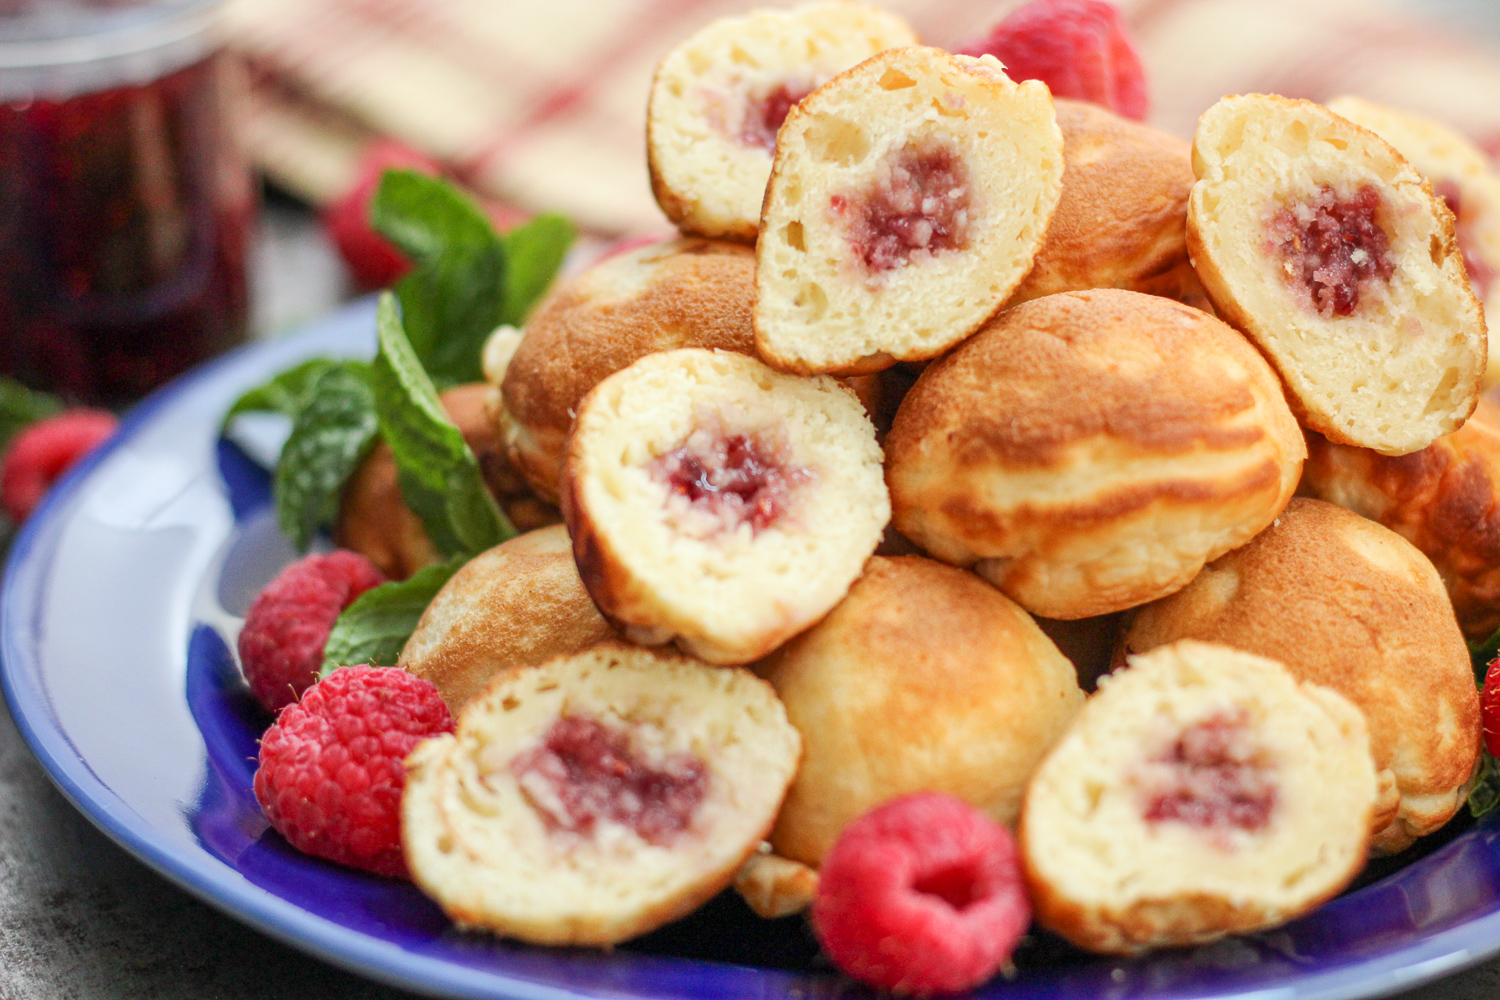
point(764, 115)
point(1214, 776)
point(917, 207)
point(729, 479)
point(1480, 274)
point(585, 771)
point(1333, 248)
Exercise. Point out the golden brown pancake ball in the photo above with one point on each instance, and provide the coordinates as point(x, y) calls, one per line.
point(1122, 218)
point(1089, 451)
point(1444, 499)
point(682, 293)
point(924, 678)
point(518, 604)
point(374, 519)
point(1348, 604)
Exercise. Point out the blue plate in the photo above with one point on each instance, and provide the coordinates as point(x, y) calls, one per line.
point(120, 606)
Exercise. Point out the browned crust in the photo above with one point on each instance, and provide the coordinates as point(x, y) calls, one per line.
point(1122, 216)
point(1306, 592)
point(1217, 285)
point(1444, 499)
point(699, 296)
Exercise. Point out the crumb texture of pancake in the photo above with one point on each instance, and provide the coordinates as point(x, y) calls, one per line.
point(1444, 499)
point(1460, 175)
point(774, 886)
point(375, 521)
point(1351, 605)
point(1203, 791)
point(680, 293)
point(718, 100)
point(719, 503)
point(908, 199)
point(1121, 219)
point(1135, 439)
point(517, 605)
point(925, 678)
point(596, 797)
point(1331, 252)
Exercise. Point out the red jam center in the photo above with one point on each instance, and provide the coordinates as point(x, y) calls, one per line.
point(1213, 777)
point(589, 771)
point(764, 115)
point(736, 478)
point(918, 205)
point(1333, 246)
point(1480, 273)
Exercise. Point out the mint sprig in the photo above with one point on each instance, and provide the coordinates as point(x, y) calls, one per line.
point(332, 429)
point(285, 394)
point(374, 629)
point(534, 252)
point(20, 406)
point(440, 477)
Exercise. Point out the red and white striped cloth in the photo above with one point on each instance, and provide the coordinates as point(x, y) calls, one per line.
point(542, 105)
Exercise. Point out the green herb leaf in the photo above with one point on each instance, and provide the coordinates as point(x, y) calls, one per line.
point(376, 626)
point(1485, 794)
point(20, 406)
point(534, 252)
point(439, 475)
point(284, 394)
point(455, 294)
point(1482, 653)
point(331, 432)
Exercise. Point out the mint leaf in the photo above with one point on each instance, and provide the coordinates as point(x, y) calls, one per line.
point(284, 394)
point(455, 293)
point(439, 475)
point(1485, 795)
point(331, 432)
point(20, 406)
point(534, 252)
point(376, 626)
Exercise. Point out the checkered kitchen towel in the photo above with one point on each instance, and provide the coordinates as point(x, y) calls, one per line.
point(541, 103)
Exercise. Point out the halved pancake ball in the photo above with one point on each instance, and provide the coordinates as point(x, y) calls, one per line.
point(925, 678)
point(907, 201)
point(1444, 499)
point(680, 293)
point(1460, 175)
point(1317, 239)
point(1202, 792)
point(1122, 216)
point(519, 604)
point(1348, 604)
point(717, 502)
point(1089, 451)
point(595, 797)
point(720, 96)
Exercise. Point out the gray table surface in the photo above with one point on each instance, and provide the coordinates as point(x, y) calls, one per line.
point(80, 919)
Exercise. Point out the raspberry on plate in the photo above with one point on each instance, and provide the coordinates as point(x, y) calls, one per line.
point(1078, 48)
point(922, 895)
point(42, 452)
point(331, 772)
point(374, 261)
point(281, 643)
point(1489, 708)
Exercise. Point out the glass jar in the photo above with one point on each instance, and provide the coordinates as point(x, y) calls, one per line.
point(125, 197)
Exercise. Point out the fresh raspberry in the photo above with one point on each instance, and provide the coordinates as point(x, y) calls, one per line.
point(1489, 708)
point(374, 261)
point(922, 895)
point(281, 644)
point(42, 452)
point(1078, 48)
point(331, 773)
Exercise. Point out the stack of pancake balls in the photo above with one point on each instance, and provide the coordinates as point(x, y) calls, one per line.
point(948, 399)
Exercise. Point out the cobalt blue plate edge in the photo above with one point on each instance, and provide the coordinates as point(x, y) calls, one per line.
point(117, 615)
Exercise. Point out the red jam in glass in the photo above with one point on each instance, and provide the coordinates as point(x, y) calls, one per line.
point(918, 206)
point(124, 220)
point(1214, 777)
point(586, 771)
point(1333, 247)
